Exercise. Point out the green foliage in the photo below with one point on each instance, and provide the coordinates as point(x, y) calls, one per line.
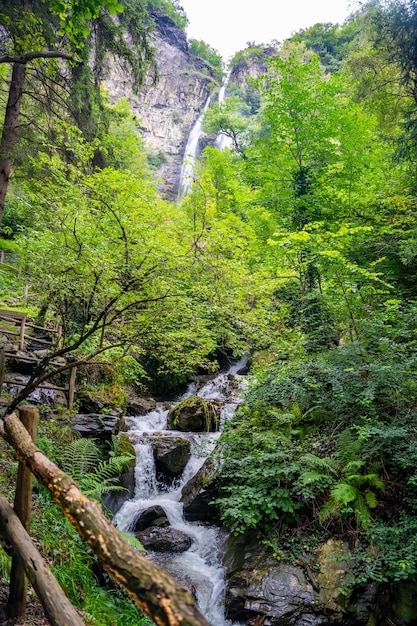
point(228, 118)
point(259, 452)
point(202, 50)
point(74, 565)
point(331, 42)
point(173, 9)
point(95, 477)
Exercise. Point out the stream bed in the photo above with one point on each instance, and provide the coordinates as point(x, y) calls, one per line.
point(200, 565)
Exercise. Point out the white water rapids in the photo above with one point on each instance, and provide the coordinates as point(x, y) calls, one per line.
point(201, 564)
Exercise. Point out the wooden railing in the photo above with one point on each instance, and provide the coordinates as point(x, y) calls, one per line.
point(167, 602)
point(15, 324)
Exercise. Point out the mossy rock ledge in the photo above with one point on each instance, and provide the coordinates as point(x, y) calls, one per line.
point(194, 414)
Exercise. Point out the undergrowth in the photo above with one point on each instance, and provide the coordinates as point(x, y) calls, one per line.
point(101, 602)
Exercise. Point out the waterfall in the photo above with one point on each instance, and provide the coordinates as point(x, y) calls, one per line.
point(222, 140)
point(190, 155)
point(201, 564)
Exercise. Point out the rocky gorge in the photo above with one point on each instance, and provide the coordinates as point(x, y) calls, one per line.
point(171, 101)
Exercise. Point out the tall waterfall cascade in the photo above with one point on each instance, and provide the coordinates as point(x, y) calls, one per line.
point(200, 564)
point(190, 155)
point(222, 140)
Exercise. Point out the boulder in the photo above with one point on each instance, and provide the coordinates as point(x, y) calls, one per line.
point(283, 595)
point(165, 539)
point(198, 494)
point(171, 455)
point(152, 517)
point(262, 590)
point(139, 406)
point(194, 415)
point(96, 425)
point(89, 402)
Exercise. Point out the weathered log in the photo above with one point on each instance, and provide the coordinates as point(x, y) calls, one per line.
point(152, 590)
point(16, 605)
point(57, 607)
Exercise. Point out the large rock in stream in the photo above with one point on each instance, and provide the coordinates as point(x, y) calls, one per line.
point(171, 455)
point(164, 539)
point(199, 493)
point(98, 426)
point(194, 414)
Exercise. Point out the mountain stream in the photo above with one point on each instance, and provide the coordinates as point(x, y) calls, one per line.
point(201, 564)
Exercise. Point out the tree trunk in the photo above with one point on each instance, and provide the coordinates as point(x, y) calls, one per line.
point(10, 133)
point(57, 607)
point(152, 590)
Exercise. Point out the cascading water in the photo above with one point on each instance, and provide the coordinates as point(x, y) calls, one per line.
point(201, 564)
point(222, 140)
point(190, 155)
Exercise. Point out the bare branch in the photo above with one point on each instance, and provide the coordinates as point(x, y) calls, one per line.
point(23, 59)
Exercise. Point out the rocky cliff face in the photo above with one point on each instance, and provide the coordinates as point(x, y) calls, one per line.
point(168, 107)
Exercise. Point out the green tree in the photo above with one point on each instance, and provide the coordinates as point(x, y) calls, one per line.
point(395, 36)
point(38, 36)
point(230, 119)
point(202, 50)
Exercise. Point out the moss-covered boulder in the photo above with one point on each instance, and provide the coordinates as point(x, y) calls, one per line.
point(194, 415)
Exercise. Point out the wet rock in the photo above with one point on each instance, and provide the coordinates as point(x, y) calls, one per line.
point(198, 495)
point(154, 516)
point(88, 402)
point(404, 605)
point(49, 397)
point(171, 455)
point(164, 539)
point(139, 406)
point(194, 415)
point(96, 425)
point(334, 565)
point(113, 500)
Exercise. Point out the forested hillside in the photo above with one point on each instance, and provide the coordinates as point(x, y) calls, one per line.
point(296, 245)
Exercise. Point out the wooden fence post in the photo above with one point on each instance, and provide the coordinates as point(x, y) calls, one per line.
point(22, 334)
point(57, 607)
point(71, 389)
point(16, 605)
point(2, 367)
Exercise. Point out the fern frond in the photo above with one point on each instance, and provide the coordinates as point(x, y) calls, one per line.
point(80, 456)
point(353, 467)
point(371, 499)
point(344, 493)
point(131, 540)
point(311, 477)
point(326, 462)
point(331, 508)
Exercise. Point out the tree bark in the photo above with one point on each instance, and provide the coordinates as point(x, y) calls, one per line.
point(57, 607)
point(152, 590)
point(9, 135)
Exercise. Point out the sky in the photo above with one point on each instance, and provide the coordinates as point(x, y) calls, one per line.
point(228, 25)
